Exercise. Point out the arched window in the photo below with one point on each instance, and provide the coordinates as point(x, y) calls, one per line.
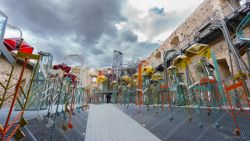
point(169, 56)
point(158, 55)
point(93, 79)
point(175, 42)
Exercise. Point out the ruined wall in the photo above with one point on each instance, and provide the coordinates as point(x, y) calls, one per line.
point(207, 11)
point(5, 70)
point(89, 85)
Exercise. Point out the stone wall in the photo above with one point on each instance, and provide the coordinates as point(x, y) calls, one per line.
point(89, 86)
point(5, 70)
point(207, 11)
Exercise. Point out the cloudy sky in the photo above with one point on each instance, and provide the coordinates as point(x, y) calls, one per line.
point(94, 28)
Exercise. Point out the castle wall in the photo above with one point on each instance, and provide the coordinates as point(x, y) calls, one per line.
point(5, 70)
point(207, 11)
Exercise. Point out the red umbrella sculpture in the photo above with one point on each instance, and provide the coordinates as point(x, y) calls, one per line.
point(72, 77)
point(63, 67)
point(18, 44)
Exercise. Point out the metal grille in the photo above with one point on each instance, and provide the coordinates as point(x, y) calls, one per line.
point(181, 129)
point(37, 130)
point(42, 133)
point(8, 133)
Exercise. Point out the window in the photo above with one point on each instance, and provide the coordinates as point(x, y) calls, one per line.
point(175, 42)
point(93, 79)
point(158, 55)
point(223, 68)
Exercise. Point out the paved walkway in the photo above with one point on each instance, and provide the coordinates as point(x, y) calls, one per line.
point(108, 123)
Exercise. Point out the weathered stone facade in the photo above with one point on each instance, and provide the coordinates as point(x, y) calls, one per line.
point(87, 82)
point(206, 12)
point(5, 70)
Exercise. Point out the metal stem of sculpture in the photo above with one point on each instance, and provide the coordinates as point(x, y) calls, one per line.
point(156, 82)
point(204, 85)
point(125, 90)
point(24, 52)
point(238, 79)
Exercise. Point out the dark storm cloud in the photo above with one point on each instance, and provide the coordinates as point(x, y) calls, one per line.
point(130, 50)
point(128, 36)
point(138, 50)
point(87, 19)
point(96, 51)
point(85, 27)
